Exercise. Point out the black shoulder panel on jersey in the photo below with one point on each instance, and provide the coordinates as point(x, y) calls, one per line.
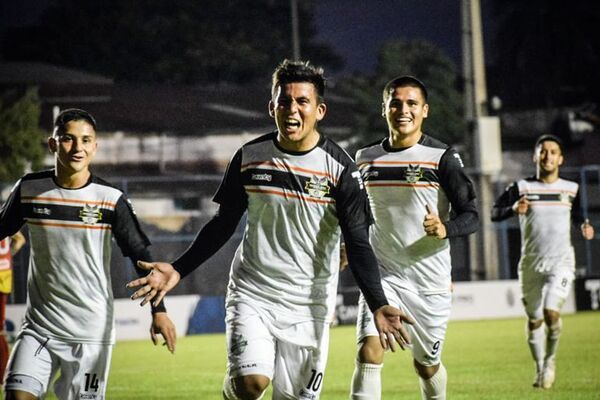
point(336, 151)
point(429, 141)
point(127, 230)
point(49, 173)
point(376, 143)
point(263, 138)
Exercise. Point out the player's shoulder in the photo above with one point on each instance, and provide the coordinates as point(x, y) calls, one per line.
point(371, 149)
point(262, 139)
point(34, 176)
point(429, 141)
point(335, 151)
point(568, 184)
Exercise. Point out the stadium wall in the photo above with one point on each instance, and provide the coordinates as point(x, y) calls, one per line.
point(193, 314)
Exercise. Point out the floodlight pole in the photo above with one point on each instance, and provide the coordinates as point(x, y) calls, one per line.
point(483, 245)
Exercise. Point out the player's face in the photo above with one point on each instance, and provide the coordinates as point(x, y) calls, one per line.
point(548, 157)
point(296, 109)
point(404, 111)
point(75, 148)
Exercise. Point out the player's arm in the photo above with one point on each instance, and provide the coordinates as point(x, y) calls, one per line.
point(355, 218)
point(17, 241)
point(461, 194)
point(580, 219)
point(164, 276)
point(135, 244)
point(11, 219)
point(504, 206)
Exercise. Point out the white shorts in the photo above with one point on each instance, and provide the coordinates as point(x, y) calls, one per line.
point(544, 290)
point(255, 347)
point(35, 361)
point(430, 312)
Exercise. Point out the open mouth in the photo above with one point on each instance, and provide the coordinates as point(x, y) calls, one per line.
point(292, 123)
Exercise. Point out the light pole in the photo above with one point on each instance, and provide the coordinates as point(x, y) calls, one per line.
point(295, 30)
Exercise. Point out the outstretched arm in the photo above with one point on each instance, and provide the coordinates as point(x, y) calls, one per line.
point(164, 276)
point(509, 204)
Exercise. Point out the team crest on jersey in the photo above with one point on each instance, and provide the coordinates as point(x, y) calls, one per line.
point(90, 214)
point(317, 187)
point(413, 173)
point(238, 344)
point(564, 197)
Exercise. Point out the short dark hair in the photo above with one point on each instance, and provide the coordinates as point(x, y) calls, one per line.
point(548, 138)
point(71, 114)
point(402, 81)
point(299, 71)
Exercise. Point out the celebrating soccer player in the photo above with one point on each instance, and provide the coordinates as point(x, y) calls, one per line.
point(413, 181)
point(298, 189)
point(545, 204)
point(72, 215)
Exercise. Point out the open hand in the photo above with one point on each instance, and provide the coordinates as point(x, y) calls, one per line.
point(154, 286)
point(389, 323)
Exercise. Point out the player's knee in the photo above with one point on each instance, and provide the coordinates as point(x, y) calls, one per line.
point(426, 371)
point(19, 395)
point(551, 317)
point(250, 387)
point(534, 324)
point(370, 351)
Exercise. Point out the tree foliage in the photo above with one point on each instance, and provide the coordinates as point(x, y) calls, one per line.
point(20, 138)
point(178, 41)
point(423, 60)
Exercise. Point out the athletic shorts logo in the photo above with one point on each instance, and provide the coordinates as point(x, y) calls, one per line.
point(413, 173)
point(317, 187)
point(90, 214)
point(238, 345)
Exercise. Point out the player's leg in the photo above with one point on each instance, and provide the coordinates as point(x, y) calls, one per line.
point(366, 379)
point(431, 314)
point(30, 369)
point(84, 370)
point(250, 354)
point(532, 283)
point(299, 370)
point(557, 290)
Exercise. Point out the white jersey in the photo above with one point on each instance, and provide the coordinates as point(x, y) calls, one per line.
point(400, 184)
point(69, 294)
point(288, 260)
point(546, 227)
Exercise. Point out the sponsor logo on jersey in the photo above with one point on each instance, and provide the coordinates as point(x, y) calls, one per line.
point(41, 210)
point(317, 187)
point(90, 214)
point(262, 177)
point(413, 173)
point(371, 174)
point(238, 344)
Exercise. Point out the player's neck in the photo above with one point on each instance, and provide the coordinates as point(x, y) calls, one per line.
point(400, 141)
point(547, 177)
point(72, 181)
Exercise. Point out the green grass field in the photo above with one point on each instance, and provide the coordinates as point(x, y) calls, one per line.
point(484, 359)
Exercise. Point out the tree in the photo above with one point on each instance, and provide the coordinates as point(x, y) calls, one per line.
point(177, 41)
point(20, 138)
point(424, 61)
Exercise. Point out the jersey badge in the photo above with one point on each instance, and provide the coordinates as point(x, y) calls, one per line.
point(317, 187)
point(90, 214)
point(413, 173)
point(564, 198)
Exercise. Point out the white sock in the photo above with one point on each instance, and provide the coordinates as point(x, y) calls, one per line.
point(552, 339)
point(366, 382)
point(435, 387)
point(536, 339)
point(228, 392)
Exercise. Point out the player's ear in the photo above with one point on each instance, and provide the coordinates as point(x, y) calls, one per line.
point(271, 109)
point(561, 159)
point(383, 110)
point(321, 110)
point(52, 144)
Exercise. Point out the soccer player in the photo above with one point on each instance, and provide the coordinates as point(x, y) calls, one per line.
point(8, 247)
point(545, 204)
point(72, 215)
point(413, 182)
point(298, 189)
